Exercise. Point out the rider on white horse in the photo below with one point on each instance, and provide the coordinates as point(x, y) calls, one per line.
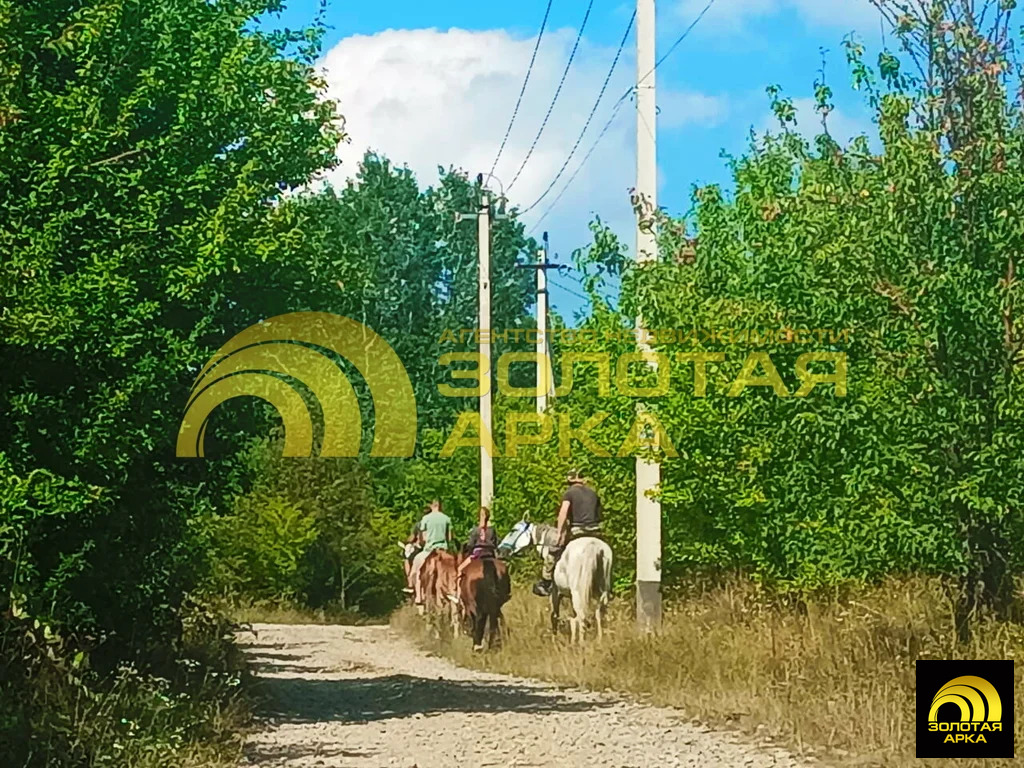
point(579, 515)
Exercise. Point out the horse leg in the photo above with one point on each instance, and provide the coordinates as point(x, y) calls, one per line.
point(442, 619)
point(478, 631)
point(556, 600)
point(504, 632)
point(599, 619)
point(492, 628)
point(579, 621)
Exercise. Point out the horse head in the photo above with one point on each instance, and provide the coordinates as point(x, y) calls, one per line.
point(407, 548)
point(518, 539)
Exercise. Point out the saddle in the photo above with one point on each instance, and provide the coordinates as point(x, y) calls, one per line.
point(557, 551)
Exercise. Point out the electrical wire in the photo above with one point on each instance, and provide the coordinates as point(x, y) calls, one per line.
point(567, 289)
point(590, 117)
point(579, 295)
point(680, 39)
point(565, 73)
point(583, 162)
point(615, 111)
point(519, 101)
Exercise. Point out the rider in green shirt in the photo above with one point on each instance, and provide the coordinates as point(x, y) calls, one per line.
point(435, 531)
point(435, 528)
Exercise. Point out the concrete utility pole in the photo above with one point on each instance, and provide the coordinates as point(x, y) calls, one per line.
point(483, 229)
point(648, 473)
point(544, 378)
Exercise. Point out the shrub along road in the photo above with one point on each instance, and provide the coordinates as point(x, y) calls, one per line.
point(366, 697)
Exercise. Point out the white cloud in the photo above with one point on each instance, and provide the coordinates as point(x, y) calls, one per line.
point(734, 15)
point(679, 108)
point(429, 97)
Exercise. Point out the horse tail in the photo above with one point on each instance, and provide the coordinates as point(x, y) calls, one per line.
point(490, 580)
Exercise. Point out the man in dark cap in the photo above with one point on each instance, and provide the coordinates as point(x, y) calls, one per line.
point(579, 515)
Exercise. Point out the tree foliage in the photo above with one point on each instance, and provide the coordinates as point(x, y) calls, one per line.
point(143, 148)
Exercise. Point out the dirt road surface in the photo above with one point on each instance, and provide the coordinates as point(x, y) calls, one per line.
point(365, 697)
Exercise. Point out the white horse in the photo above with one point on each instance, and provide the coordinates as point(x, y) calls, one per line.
point(584, 572)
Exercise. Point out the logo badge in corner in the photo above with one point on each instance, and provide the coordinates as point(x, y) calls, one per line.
point(964, 708)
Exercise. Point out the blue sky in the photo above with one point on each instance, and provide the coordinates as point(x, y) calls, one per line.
point(434, 82)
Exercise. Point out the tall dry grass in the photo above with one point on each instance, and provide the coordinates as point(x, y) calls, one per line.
point(833, 679)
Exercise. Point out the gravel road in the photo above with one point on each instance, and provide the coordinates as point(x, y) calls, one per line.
point(364, 697)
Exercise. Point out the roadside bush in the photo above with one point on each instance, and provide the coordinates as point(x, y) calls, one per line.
point(260, 549)
point(59, 711)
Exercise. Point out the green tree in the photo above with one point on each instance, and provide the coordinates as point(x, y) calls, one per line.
point(143, 149)
point(390, 254)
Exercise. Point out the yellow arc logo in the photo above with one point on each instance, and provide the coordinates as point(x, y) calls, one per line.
point(267, 359)
point(976, 697)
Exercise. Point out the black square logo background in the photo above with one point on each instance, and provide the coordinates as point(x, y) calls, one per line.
point(932, 675)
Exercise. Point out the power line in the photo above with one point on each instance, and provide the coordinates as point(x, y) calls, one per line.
point(522, 90)
point(682, 37)
point(590, 117)
point(561, 82)
point(566, 288)
point(615, 111)
point(577, 294)
point(583, 162)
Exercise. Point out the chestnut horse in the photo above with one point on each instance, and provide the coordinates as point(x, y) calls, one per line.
point(485, 589)
point(437, 579)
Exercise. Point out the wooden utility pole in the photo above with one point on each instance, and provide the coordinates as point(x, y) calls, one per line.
point(648, 473)
point(545, 379)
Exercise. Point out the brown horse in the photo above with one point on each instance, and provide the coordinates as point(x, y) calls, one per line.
point(437, 578)
point(485, 589)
